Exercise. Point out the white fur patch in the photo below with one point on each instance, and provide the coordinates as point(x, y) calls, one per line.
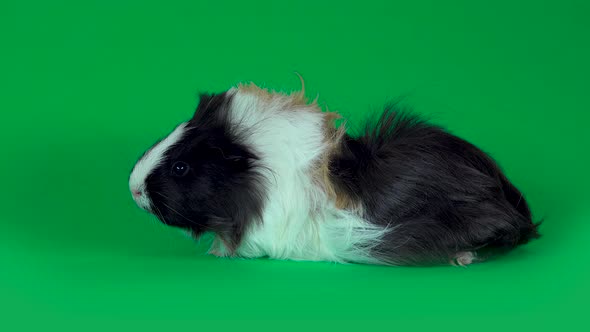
point(300, 221)
point(149, 162)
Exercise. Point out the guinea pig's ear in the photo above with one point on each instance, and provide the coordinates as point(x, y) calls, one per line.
point(231, 154)
point(235, 158)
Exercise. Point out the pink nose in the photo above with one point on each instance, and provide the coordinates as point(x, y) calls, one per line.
point(136, 193)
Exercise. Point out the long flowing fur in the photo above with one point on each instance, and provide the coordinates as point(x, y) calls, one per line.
point(270, 175)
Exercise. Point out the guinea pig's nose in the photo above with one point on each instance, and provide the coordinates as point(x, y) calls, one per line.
point(136, 193)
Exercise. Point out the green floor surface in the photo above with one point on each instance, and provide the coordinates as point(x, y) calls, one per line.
point(86, 86)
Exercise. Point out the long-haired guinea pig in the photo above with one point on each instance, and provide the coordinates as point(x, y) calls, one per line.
point(271, 175)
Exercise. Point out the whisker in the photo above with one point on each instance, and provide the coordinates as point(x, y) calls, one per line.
point(159, 214)
point(180, 214)
point(161, 195)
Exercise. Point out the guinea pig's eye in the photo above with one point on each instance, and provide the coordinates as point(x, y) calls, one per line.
point(180, 169)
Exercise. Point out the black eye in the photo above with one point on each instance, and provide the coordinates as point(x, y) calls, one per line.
point(180, 169)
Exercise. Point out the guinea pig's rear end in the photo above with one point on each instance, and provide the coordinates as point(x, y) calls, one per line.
point(445, 200)
point(270, 175)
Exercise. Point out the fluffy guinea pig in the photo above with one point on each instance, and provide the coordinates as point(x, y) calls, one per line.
point(271, 175)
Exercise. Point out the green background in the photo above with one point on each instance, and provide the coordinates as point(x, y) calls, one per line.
point(87, 86)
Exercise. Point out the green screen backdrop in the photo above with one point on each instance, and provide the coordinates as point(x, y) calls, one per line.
point(87, 86)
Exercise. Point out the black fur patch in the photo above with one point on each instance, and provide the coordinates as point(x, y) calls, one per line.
point(439, 194)
point(222, 192)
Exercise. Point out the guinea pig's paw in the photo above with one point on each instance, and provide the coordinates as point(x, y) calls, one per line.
point(463, 258)
point(217, 253)
point(218, 248)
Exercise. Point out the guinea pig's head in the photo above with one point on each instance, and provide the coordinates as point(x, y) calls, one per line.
point(202, 177)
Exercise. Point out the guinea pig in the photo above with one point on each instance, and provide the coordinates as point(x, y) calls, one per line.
point(271, 175)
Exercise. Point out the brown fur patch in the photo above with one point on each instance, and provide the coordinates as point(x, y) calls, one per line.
point(333, 138)
point(293, 99)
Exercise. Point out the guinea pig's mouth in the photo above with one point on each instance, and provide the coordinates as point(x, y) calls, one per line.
point(142, 201)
